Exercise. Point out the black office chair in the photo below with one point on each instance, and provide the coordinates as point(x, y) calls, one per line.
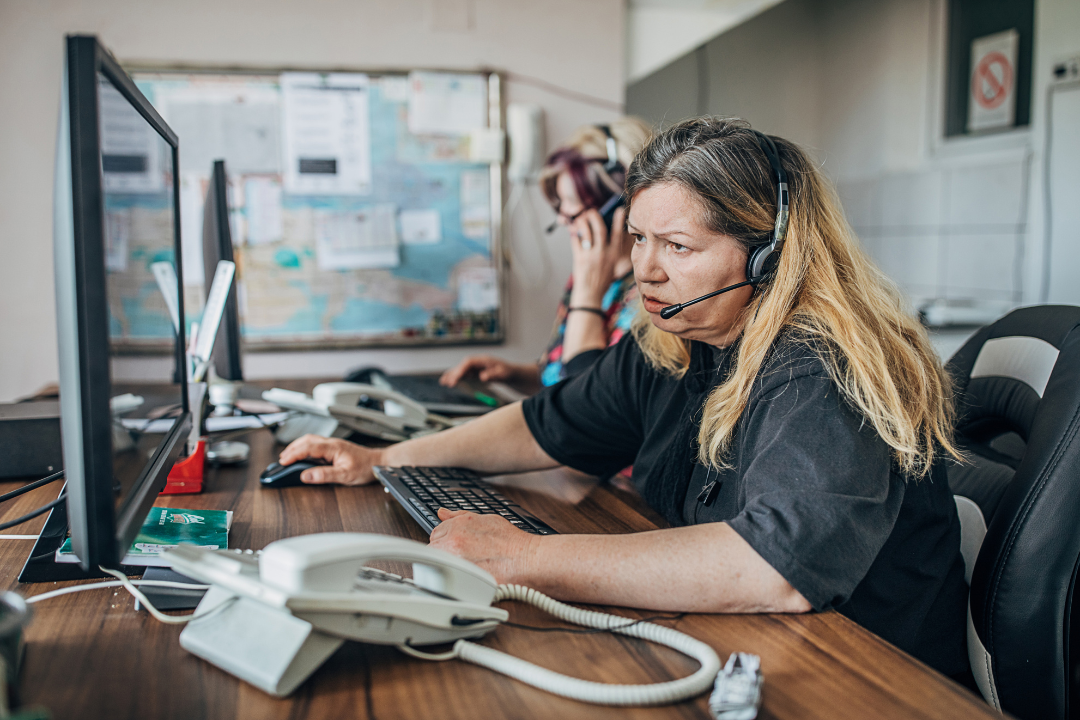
point(1018, 391)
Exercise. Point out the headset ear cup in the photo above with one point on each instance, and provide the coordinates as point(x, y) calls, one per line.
point(761, 263)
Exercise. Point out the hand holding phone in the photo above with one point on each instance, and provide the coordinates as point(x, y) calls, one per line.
point(607, 210)
point(599, 242)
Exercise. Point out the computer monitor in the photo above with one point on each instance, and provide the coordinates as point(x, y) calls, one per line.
point(217, 245)
point(116, 212)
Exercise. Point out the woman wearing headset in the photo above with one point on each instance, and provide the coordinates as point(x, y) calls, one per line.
point(793, 430)
point(583, 181)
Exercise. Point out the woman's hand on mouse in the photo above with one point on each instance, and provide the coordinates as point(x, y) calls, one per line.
point(595, 254)
point(489, 541)
point(350, 463)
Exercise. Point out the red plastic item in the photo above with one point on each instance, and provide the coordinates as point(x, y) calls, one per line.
point(186, 475)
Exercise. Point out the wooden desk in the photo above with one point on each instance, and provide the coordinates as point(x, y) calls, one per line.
point(92, 655)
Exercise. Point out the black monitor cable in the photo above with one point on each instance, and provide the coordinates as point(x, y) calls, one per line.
point(31, 515)
point(32, 486)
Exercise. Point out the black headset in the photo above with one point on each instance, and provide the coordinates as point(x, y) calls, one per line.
point(762, 260)
point(612, 149)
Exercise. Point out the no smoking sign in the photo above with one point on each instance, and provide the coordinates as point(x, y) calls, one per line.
point(992, 98)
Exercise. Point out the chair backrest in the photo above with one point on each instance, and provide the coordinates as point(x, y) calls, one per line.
point(1018, 400)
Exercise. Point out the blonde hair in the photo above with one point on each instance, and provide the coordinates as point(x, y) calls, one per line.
point(587, 148)
point(825, 292)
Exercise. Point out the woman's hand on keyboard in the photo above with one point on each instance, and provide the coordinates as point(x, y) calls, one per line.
point(489, 368)
point(488, 541)
point(350, 463)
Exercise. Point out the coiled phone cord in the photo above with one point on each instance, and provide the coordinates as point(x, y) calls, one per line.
point(585, 690)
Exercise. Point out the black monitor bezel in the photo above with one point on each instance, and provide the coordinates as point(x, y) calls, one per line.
point(218, 246)
point(110, 529)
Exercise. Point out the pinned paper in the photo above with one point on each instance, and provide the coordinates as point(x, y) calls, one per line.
point(475, 205)
point(348, 240)
point(235, 120)
point(130, 149)
point(420, 227)
point(192, 199)
point(446, 103)
point(487, 145)
point(117, 234)
point(327, 136)
point(263, 208)
point(394, 88)
point(478, 289)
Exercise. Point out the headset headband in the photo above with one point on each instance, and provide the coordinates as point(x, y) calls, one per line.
point(612, 149)
point(782, 204)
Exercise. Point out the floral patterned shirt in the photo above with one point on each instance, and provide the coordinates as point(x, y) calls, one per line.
point(619, 311)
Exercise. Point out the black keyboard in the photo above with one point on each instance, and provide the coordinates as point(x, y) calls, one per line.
point(422, 491)
point(427, 391)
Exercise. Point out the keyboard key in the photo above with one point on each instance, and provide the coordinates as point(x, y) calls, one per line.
point(428, 489)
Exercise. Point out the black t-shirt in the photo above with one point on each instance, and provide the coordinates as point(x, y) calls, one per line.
point(811, 486)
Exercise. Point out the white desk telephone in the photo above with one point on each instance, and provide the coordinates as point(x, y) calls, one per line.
point(333, 410)
point(272, 621)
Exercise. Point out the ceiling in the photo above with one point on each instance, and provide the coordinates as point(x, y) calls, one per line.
point(660, 31)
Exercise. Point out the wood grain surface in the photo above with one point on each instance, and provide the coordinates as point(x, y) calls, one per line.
point(91, 655)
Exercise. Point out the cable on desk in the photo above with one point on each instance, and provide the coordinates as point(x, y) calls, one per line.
point(112, 584)
point(593, 631)
point(32, 486)
point(158, 615)
point(584, 690)
point(31, 515)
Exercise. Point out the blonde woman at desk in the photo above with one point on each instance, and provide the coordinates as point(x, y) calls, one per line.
point(583, 181)
point(794, 431)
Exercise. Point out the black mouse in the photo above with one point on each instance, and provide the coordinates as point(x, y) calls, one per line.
point(366, 375)
point(277, 475)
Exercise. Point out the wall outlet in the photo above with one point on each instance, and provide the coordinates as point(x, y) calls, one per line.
point(1067, 70)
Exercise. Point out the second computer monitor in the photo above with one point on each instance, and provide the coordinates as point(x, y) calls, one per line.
point(217, 246)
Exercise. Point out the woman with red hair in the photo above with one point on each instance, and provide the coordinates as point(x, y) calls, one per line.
point(583, 181)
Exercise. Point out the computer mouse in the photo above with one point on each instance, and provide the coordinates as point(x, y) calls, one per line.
point(366, 375)
point(277, 475)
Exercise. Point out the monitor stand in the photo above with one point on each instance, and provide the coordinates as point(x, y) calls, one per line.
point(41, 566)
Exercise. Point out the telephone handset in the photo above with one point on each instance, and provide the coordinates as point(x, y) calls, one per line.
point(273, 620)
point(333, 410)
point(315, 591)
point(607, 210)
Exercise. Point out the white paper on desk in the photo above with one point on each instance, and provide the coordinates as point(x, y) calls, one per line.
point(446, 103)
point(421, 227)
point(478, 289)
point(352, 239)
point(263, 209)
point(192, 198)
point(213, 424)
point(475, 204)
point(130, 149)
point(326, 132)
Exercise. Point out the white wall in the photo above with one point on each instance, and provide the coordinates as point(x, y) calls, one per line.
point(946, 218)
point(1057, 36)
point(576, 44)
point(861, 84)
